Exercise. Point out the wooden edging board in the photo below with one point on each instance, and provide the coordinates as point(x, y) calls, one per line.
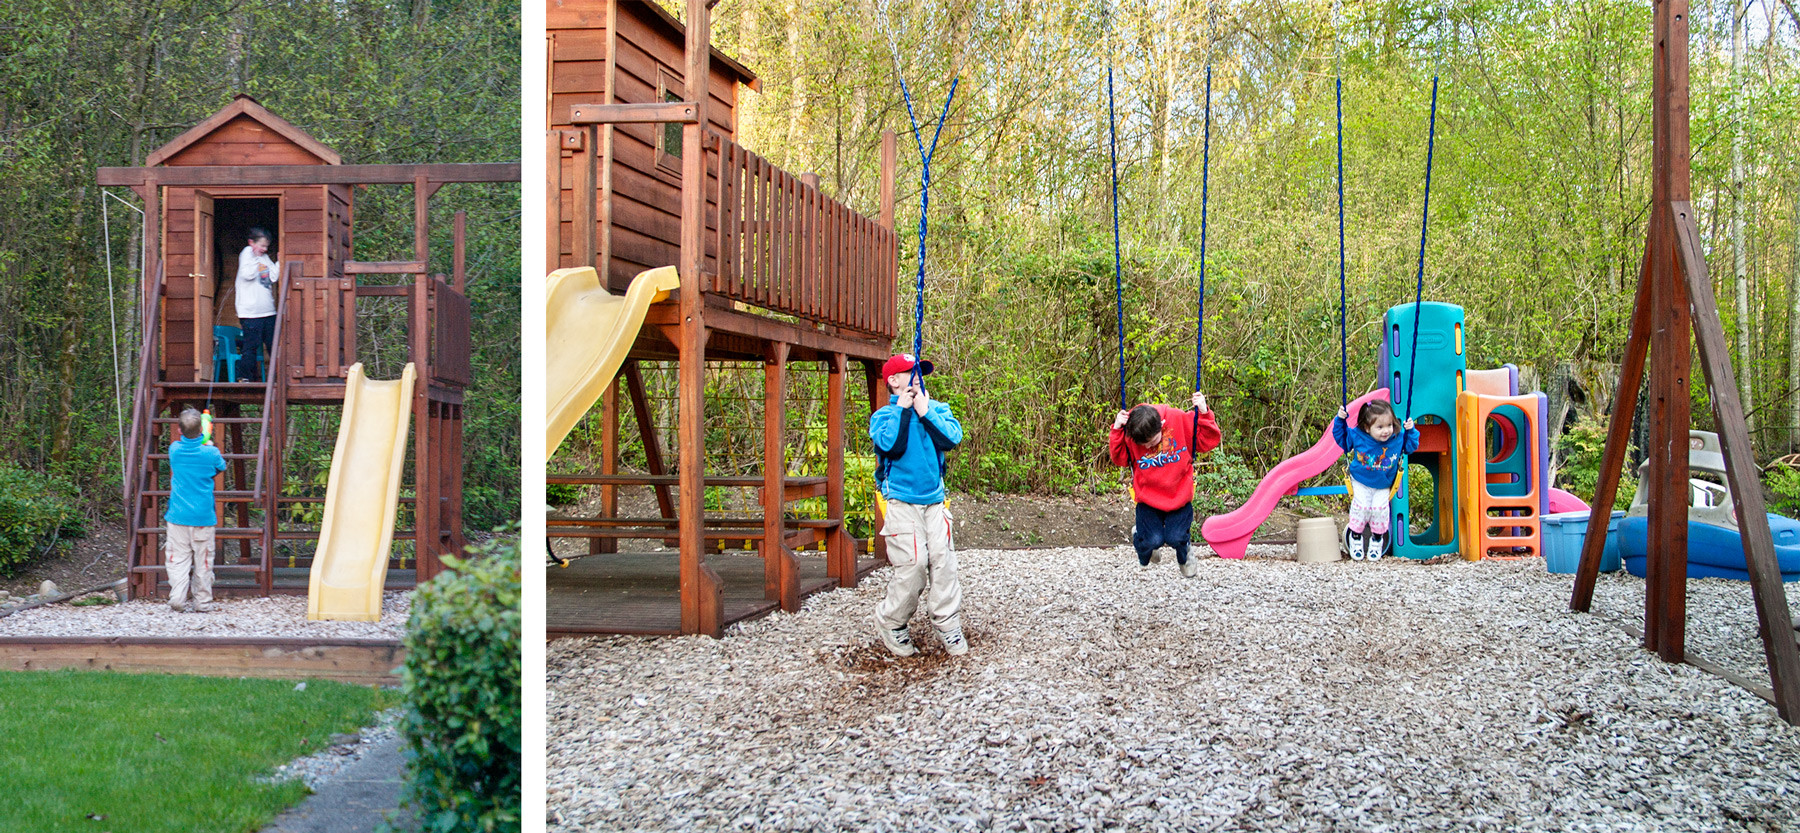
point(360, 661)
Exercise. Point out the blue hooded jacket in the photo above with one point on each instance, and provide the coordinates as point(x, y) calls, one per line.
point(910, 450)
point(192, 465)
point(1373, 463)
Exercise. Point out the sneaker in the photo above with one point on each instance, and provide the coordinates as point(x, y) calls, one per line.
point(954, 643)
point(1190, 567)
point(1377, 542)
point(1357, 545)
point(1156, 556)
point(178, 607)
point(205, 608)
point(897, 640)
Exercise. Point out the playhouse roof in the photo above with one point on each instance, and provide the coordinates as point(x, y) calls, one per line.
point(677, 32)
point(245, 111)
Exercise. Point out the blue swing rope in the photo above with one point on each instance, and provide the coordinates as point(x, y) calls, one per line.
point(924, 210)
point(1343, 326)
point(1424, 225)
point(1118, 268)
point(1205, 166)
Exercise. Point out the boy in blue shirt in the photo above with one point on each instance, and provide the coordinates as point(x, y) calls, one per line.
point(911, 435)
point(190, 517)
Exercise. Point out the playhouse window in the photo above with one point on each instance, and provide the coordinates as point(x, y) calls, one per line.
point(668, 135)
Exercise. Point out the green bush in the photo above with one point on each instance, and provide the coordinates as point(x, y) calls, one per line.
point(1783, 484)
point(37, 512)
point(462, 694)
point(1224, 478)
point(561, 494)
point(1579, 474)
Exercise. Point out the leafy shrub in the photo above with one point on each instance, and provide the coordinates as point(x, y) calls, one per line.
point(1579, 474)
point(561, 494)
point(1224, 478)
point(1783, 486)
point(36, 513)
point(461, 682)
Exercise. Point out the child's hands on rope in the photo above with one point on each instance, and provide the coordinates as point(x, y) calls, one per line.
point(920, 402)
point(905, 397)
point(1408, 425)
point(1119, 421)
point(1200, 402)
point(1343, 412)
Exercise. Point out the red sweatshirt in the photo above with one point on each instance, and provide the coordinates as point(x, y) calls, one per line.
point(1164, 476)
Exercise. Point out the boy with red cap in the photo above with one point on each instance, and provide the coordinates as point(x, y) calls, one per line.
point(1159, 444)
point(911, 434)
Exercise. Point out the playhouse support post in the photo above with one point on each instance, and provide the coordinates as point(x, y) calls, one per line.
point(701, 605)
point(840, 552)
point(781, 571)
point(1779, 649)
point(609, 465)
point(653, 455)
point(878, 397)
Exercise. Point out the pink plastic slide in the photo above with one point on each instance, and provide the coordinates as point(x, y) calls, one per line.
point(1229, 534)
point(1561, 501)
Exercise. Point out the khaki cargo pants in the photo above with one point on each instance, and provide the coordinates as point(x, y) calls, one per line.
point(919, 547)
point(189, 553)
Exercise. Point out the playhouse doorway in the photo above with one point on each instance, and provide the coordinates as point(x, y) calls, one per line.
point(233, 218)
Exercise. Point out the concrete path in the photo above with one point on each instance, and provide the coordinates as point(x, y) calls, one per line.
point(358, 801)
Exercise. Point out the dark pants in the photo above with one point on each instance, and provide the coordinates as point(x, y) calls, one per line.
point(259, 338)
point(1156, 528)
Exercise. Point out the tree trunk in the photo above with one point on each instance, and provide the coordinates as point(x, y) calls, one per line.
point(1794, 333)
point(1740, 284)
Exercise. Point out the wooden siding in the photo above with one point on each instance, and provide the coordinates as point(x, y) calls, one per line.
point(640, 227)
point(244, 141)
point(301, 230)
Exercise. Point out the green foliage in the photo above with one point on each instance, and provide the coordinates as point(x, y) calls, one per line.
point(1579, 473)
point(561, 494)
point(1224, 479)
point(105, 83)
point(1783, 486)
point(36, 513)
point(462, 722)
point(83, 754)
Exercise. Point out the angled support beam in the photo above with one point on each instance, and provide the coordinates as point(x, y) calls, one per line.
point(1740, 470)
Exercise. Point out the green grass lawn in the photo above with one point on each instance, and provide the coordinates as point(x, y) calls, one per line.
point(97, 752)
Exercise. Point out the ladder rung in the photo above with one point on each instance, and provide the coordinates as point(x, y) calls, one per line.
point(226, 456)
point(230, 532)
point(216, 420)
point(218, 494)
point(217, 568)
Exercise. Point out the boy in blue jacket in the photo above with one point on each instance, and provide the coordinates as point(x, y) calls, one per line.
point(1376, 448)
point(190, 517)
point(911, 435)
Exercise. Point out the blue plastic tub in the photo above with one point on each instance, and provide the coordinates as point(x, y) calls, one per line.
point(1564, 533)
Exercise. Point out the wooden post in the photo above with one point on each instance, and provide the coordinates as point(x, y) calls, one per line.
point(781, 572)
point(419, 341)
point(609, 464)
point(460, 262)
point(840, 554)
point(587, 198)
point(653, 456)
point(553, 213)
point(701, 606)
point(878, 399)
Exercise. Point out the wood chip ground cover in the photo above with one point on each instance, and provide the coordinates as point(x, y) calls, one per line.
point(1260, 695)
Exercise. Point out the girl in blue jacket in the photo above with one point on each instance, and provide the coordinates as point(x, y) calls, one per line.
point(1376, 446)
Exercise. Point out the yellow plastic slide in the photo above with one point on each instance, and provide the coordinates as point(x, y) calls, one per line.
point(588, 332)
point(357, 533)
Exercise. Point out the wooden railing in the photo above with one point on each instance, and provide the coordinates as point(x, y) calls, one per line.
point(324, 337)
point(143, 426)
point(450, 333)
point(786, 247)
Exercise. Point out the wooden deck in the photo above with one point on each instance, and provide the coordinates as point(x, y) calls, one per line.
point(360, 661)
point(638, 593)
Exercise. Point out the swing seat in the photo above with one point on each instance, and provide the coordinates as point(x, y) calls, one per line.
point(227, 346)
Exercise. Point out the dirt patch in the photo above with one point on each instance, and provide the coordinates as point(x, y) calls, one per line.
point(94, 559)
point(992, 521)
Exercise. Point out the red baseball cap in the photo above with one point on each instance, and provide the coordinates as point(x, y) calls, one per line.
point(903, 363)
